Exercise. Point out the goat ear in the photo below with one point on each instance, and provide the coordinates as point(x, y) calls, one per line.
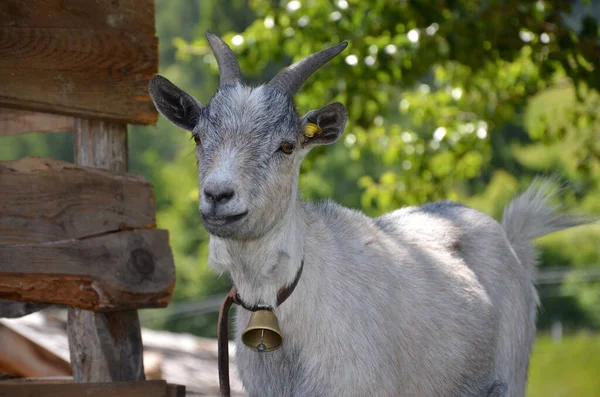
point(324, 126)
point(179, 107)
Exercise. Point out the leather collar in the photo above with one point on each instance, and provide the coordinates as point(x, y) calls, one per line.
point(223, 331)
point(282, 294)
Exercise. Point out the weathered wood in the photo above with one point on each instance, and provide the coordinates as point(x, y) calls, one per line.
point(175, 390)
point(62, 49)
point(48, 200)
point(116, 271)
point(83, 59)
point(133, 16)
point(151, 388)
point(37, 379)
point(120, 96)
point(93, 357)
point(101, 144)
point(17, 380)
point(14, 122)
point(105, 348)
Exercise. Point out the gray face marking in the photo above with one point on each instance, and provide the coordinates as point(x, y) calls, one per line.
point(243, 175)
point(246, 182)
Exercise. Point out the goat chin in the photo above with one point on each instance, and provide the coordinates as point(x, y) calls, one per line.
point(435, 300)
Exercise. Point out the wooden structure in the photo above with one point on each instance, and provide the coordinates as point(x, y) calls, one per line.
point(84, 234)
point(37, 346)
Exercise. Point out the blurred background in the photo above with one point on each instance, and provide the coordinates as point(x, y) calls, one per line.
point(462, 100)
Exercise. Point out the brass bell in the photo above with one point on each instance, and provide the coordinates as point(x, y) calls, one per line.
point(262, 333)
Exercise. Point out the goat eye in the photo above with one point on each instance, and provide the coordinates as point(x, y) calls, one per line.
point(196, 139)
point(287, 147)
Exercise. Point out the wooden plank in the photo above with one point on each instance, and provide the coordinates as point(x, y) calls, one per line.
point(80, 94)
point(79, 73)
point(63, 49)
point(116, 271)
point(175, 390)
point(79, 58)
point(172, 389)
point(48, 200)
point(152, 388)
point(14, 122)
point(135, 16)
point(104, 347)
point(33, 379)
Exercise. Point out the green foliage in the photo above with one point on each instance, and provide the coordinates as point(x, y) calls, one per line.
point(58, 146)
point(565, 368)
point(463, 100)
point(443, 77)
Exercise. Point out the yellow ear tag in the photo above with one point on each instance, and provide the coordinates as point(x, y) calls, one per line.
point(312, 130)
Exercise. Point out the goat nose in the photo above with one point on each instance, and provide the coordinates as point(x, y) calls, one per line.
point(219, 196)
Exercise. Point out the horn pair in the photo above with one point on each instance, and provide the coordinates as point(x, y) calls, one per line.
point(288, 80)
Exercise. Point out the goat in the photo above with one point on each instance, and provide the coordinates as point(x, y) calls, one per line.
point(435, 300)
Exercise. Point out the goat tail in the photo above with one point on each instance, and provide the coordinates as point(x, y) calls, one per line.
point(531, 215)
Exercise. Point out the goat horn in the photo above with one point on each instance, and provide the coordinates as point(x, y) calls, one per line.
point(291, 79)
point(229, 69)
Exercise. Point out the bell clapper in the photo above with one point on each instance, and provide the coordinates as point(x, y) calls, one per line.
point(261, 346)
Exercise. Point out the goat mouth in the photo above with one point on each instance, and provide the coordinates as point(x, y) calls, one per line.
point(216, 220)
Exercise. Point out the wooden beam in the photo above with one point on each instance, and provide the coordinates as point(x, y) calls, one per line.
point(64, 49)
point(46, 200)
point(173, 390)
point(79, 90)
point(87, 59)
point(14, 122)
point(36, 379)
point(116, 271)
point(151, 388)
point(104, 347)
point(132, 16)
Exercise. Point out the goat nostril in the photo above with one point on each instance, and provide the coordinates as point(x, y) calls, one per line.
point(225, 196)
point(220, 197)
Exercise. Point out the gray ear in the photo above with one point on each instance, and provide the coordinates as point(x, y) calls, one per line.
point(179, 107)
point(331, 119)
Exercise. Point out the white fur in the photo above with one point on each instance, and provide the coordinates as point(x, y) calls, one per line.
point(433, 301)
point(424, 301)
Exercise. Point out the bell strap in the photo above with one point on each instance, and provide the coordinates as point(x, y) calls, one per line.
point(223, 328)
point(282, 294)
point(223, 343)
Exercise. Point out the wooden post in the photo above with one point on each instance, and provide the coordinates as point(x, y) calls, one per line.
point(104, 347)
point(100, 144)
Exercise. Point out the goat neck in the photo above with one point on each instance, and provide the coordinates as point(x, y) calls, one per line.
point(259, 268)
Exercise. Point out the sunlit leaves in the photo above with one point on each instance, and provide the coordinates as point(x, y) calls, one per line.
point(430, 92)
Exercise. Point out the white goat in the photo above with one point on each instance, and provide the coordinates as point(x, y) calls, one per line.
point(436, 300)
